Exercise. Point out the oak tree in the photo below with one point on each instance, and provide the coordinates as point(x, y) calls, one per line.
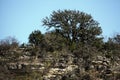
point(75, 26)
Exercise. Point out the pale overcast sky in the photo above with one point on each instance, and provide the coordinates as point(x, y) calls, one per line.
point(19, 18)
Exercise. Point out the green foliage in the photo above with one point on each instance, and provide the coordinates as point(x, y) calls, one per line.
point(54, 41)
point(74, 26)
point(112, 48)
point(117, 39)
point(113, 43)
point(36, 37)
point(74, 39)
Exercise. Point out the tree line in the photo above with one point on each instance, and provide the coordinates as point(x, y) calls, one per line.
point(68, 29)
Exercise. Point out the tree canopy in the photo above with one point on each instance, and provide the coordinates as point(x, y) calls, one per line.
point(74, 25)
point(36, 37)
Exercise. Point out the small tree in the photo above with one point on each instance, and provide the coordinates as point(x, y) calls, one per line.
point(7, 44)
point(117, 39)
point(36, 37)
point(112, 48)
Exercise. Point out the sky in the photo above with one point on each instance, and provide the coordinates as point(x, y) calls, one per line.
point(18, 18)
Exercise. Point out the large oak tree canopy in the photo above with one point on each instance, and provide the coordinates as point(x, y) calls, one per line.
point(73, 25)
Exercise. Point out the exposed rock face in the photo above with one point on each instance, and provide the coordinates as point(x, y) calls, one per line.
point(53, 72)
point(66, 67)
point(21, 65)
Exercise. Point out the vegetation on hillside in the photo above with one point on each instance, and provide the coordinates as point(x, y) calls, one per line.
point(71, 49)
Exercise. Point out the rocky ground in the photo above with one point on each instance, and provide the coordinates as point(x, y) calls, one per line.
point(61, 67)
point(98, 70)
